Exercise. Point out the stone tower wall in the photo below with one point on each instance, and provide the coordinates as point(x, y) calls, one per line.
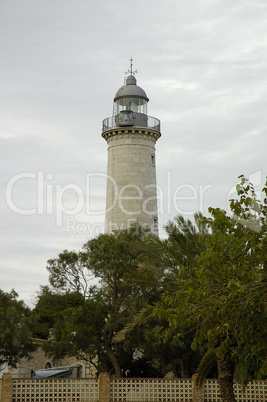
point(131, 182)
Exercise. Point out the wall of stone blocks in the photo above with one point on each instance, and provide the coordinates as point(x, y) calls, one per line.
point(131, 183)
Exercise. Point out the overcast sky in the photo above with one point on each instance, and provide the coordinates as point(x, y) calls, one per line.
point(203, 65)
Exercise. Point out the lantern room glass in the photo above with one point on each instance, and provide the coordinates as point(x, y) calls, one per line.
point(137, 105)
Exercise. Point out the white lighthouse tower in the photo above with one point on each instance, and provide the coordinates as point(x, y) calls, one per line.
point(131, 136)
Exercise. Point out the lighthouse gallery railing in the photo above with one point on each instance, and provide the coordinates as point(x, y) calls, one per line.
point(110, 122)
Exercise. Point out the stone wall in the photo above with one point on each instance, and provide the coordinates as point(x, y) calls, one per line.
point(131, 183)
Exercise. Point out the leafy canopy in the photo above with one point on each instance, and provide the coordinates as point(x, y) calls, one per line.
point(15, 332)
point(92, 313)
point(225, 295)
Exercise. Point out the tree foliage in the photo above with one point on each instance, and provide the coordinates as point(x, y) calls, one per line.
point(224, 296)
point(70, 323)
point(204, 286)
point(86, 326)
point(171, 261)
point(15, 329)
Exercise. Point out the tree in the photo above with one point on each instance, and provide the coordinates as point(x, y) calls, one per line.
point(170, 260)
point(15, 332)
point(103, 308)
point(186, 240)
point(71, 325)
point(224, 296)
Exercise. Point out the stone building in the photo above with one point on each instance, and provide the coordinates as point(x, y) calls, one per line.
point(39, 360)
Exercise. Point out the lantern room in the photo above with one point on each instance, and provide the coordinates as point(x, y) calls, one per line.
point(130, 104)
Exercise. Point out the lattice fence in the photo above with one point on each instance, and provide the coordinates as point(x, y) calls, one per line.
point(256, 391)
point(211, 391)
point(56, 390)
point(150, 389)
point(127, 389)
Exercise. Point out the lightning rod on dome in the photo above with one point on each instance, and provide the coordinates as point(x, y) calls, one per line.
point(131, 71)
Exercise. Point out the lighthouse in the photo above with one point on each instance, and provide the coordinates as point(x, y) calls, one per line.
point(131, 135)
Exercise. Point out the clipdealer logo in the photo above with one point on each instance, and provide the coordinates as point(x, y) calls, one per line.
point(50, 198)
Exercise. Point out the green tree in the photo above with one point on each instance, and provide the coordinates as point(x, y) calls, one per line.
point(15, 329)
point(103, 308)
point(186, 240)
point(168, 260)
point(224, 296)
point(71, 324)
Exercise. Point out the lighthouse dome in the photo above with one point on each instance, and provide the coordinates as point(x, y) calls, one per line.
point(130, 90)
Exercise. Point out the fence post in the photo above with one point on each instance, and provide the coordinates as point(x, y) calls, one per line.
point(6, 389)
point(103, 387)
point(198, 392)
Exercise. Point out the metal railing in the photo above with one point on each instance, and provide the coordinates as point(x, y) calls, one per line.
point(112, 122)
